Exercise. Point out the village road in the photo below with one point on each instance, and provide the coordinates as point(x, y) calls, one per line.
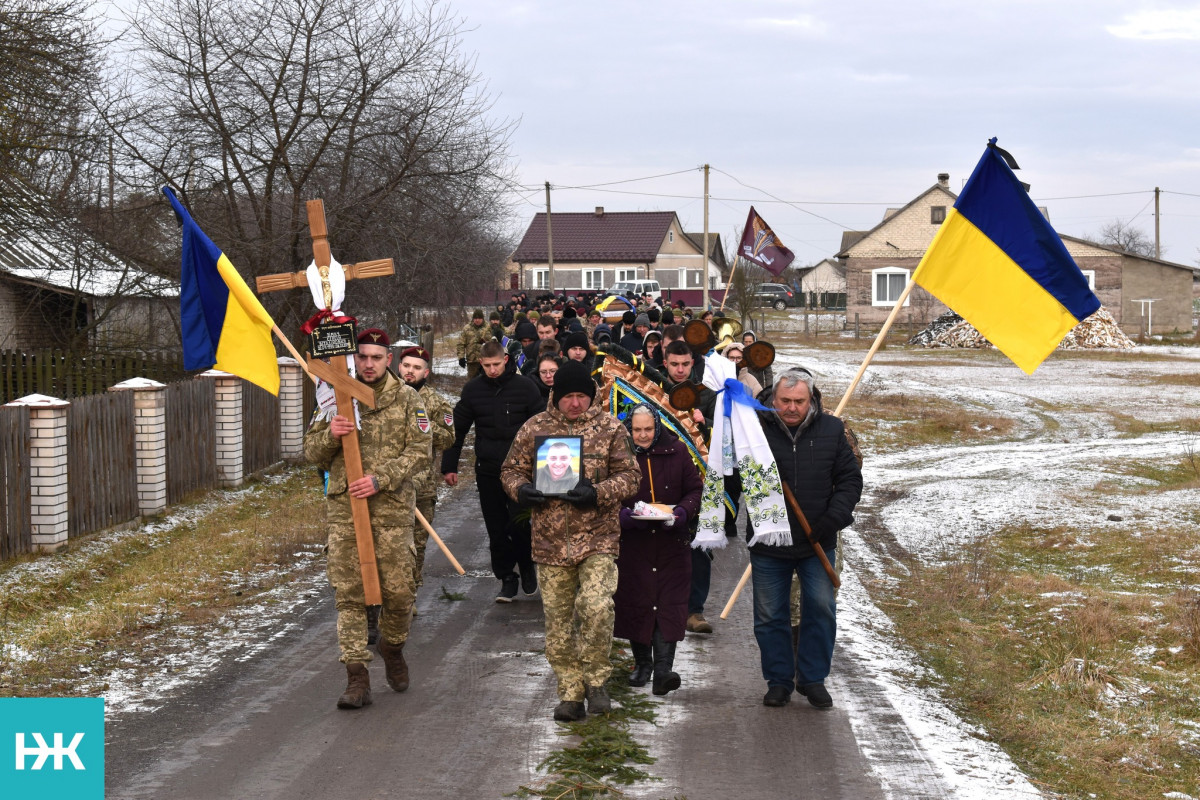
point(476, 721)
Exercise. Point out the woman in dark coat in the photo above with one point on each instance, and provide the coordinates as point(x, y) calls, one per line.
point(654, 569)
point(543, 376)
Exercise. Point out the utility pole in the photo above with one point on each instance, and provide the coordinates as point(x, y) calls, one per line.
point(704, 260)
point(549, 241)
point(1157, 218)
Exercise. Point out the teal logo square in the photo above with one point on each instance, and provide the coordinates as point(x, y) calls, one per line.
point(52, 748)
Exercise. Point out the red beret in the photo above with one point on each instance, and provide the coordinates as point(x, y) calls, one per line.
point(416, 352)
point(374, 336)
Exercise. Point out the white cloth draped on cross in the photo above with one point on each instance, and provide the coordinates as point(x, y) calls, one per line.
point(738, 442)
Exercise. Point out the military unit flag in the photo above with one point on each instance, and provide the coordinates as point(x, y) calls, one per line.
point(998, 263)
point(224, 325)
point(761, 246)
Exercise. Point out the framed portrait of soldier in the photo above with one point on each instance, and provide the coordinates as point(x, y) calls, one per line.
point(558, 463)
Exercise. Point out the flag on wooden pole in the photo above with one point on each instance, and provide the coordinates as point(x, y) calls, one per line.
point(761, 246)
point(998, 263)
point(223, 323)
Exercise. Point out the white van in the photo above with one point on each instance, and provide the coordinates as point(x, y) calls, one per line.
point(639, 288)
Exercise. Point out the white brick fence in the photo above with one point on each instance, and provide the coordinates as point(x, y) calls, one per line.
point(237, 439)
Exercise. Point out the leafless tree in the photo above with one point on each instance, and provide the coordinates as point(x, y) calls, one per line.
point(1123, 236)
point(744, 281)
point(252, 107)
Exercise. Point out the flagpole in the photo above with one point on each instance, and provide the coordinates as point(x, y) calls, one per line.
point(725, 297)
point(292, 350)
point(883, 332)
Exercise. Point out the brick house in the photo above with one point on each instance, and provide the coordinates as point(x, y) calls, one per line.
point(879, 262)
point(592, 251)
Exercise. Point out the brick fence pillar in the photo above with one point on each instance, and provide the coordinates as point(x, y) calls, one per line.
point(47, 470)
point(149, 441)
point(230, 472)
point(291, 409)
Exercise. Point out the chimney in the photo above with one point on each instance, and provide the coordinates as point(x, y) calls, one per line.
point(944, 180)
point(599, 211)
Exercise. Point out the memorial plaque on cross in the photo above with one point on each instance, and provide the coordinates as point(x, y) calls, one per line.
point(337, 374)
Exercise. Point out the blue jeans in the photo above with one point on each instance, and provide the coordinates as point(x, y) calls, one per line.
point(781, 664)
point(701, 577)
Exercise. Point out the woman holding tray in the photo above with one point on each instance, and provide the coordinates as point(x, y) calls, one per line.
point(654, 569)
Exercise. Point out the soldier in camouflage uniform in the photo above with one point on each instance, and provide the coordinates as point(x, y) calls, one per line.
point(474, 335)
point(576, 538)
point(395, 443)
point(414, 369)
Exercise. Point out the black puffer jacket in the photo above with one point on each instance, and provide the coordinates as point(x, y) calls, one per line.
point(816, 462)
point(497, 407)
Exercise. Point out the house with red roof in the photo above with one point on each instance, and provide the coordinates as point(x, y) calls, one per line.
point(593, 251)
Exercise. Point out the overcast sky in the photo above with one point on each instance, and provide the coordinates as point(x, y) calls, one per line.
point(848, 107)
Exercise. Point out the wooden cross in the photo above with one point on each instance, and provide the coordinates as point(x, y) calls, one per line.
point(346, 388)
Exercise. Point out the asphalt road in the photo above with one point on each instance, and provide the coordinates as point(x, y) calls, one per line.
point(476, 720)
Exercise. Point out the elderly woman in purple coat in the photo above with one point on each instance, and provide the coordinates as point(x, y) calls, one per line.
point(654, 569)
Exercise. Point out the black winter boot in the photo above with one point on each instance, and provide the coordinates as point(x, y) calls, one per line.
point(643, 664)
point(664, 658)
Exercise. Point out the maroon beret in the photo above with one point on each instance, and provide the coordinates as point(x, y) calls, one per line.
point(416, 352)
point(374, 336)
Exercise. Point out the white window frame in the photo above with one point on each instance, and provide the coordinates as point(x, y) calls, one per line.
point(540, 278)
point(593, 279)
point(888, 303)
point(630, 275)
point(1090, 274)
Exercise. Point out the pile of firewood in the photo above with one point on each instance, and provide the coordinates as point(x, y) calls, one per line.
point(1099, 330)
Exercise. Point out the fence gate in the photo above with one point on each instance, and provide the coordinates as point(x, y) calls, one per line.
point(101, 462)
point(191, 408)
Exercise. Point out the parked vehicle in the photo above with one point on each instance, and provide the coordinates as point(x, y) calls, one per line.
point(777, 295)
point(638, 288)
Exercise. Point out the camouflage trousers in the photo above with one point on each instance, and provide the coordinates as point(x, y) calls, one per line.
point(421, 537)
point(394, 555)
point(578, 603)
point(473, 369)
point(796, 602)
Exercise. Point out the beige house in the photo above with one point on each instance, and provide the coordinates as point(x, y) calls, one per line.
point(592, 251)
point(879, 262)
point(823, 284)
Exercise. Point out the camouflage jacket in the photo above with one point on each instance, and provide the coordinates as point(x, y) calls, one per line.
point(472, 340)
point(441, 420)
point(395, 443)
point(564, 534)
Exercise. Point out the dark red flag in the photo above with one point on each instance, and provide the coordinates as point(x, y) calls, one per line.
point(762, 246)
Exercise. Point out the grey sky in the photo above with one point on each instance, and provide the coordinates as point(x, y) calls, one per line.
point(853, 102)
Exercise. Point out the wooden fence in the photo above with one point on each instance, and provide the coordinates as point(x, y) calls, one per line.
point(260, 428)
point(191, 413)
point(67, 376)
point(101, 462)
point(15, 531)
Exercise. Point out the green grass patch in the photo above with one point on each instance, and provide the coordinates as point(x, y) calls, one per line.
point(67, 617)
point(1077, 651)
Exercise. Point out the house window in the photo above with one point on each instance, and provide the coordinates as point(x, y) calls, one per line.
point(670, 236)
point(887, 285)
point(627, 274)
point(593, 279)
point(1090, 274)
point(937, 215)
point(541, 278)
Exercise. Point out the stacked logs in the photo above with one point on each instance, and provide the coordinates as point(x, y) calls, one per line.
point(1099, 331)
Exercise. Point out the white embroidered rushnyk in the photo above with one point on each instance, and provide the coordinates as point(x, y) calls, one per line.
point(738, 441)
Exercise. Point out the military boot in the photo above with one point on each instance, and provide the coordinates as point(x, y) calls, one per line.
point(598, 701)
point(373, 624)
point(358, 687)
point(396, 668)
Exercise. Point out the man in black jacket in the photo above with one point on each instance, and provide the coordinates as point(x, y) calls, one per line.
point(497, 402)
point(816, 462)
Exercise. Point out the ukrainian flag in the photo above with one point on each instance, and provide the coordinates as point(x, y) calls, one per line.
point(224, 325)
point(999, 265)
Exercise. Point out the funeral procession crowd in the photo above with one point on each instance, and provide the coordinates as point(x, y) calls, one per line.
point(615, 439)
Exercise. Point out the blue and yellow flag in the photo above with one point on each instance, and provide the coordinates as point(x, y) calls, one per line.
point(224, 325)
point(999, 265)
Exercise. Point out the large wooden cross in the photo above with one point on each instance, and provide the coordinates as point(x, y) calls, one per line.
point(346, 388)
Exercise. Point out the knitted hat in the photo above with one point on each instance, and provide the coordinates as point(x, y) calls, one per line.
point(525, 330)
point(573, 377)
point(641, 319)
point(603, 331)
point(495, 315)
point(578, 339)
point(654, 315)
point(375, 336)
point(477, 314)
point(628, 317)
point(569, 312)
